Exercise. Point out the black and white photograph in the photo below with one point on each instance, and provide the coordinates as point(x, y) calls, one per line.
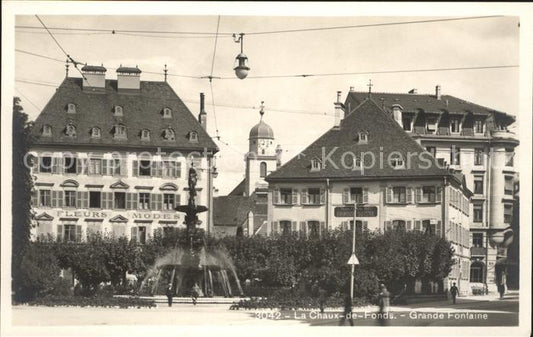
point(237, 168)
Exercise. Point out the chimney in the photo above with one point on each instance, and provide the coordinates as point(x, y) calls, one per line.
point(93, 76)
point(279, 152)
point(437, 91)
point(352, 89)
point(339, 111)
point(128, 78)
point(413, 91)
point(202, 117)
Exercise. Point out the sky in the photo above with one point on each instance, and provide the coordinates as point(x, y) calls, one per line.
point(298, 109)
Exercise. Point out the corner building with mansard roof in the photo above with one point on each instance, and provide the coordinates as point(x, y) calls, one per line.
point(112, 156)
point(367, 159)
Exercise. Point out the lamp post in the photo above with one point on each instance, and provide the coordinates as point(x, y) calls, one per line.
point(353, 259)
point(241, 61)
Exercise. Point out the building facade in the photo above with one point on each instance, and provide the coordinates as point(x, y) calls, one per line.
point(112, 156)
point(368, 160)
point(475, 141)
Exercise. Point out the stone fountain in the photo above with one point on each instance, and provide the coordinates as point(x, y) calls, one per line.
point(209, 271)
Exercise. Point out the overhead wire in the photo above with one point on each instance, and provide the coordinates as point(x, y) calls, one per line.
point(27, 99)
point(211, 78)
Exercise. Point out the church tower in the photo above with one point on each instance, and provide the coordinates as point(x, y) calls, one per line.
point(262, 157)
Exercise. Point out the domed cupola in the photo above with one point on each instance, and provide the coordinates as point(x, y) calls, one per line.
point(262, 129)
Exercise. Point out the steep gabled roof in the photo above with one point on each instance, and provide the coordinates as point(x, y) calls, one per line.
point(425, 102)
point(231, 210)
point(141, 110)
point(384, 137)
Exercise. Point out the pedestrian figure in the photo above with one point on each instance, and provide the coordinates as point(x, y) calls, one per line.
point(454, 291)
point(347, 315)
point(194, 293)
point(501, 289)
point(322, 298)
point(384, 303)
point(169, 294)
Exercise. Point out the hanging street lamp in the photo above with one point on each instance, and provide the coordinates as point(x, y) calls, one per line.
point(241, 61)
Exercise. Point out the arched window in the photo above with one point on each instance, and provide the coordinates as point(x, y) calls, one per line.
point(47, 130)
point(71, 108)
point(70, 130)
point(167, 113)
point(168, 134)
point(362, 137)
point(95, 132)
point(193, 137)
point(145, 134)
point(477, 272)
point(118, 111)
point(262, 169)
point(120, 131)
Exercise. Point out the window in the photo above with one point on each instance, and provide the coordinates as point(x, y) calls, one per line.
point(509, 157)
point(428, 227)
point(478, 212)
point(138, 234)
point(95, 166)
point(69, 165)
point(406, 122)
point(118, 111)
point(432, 150)
point(70, 198)
point(171, 169)
point(95, 132)
point(145, 168)
point(193, 137)
point(507, 213)
point(455, 125)
point(356, 195)
point(428, 194)
point(263, 169)
point(363, 137)
point(71, 108)
point(168, 134)
point(313, 229)
point(396, 225)
point(144, 200)
point(431, 125)
point(70, 130)
point(120, 131)
point(45, 165)
point(120, 200)
point(285, 196)
point(477, 239)
point(95, 199)
point(455, 156)
point(476, 272)
point(285, 227)
point(70, 233)
point(47, 130)
point(145, 134)
point(398, 195)
point(478, 184)
point(478, 126)
point(44, 198)
point(478, 156)
point(508, 185)
point(397, 162)
point(358, 227)
point(168, 201)
point(114, 166)
point(313, 195)
point(167, 113)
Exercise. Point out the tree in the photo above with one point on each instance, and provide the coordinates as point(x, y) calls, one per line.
point(21, 193)
point(39, 272)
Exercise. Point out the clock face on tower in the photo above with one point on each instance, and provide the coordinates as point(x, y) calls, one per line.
point(262, 144)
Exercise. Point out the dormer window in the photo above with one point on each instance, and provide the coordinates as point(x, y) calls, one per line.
point(316, 165)
point(479, 126)
point(145, 134)
point(193, 137)
point(120, 131)
point(406, 123)
point(118, 111)
point(70, 130)
point(71, 108)
point(95, 132)
point(168, 134)
point(362, 137)
point(431, 125)
point(167, 113)
point(46, 131)
point(397, 162)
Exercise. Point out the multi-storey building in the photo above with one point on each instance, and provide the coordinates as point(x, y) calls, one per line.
point(112, 156)
point(475, 141)
point(368, 160)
